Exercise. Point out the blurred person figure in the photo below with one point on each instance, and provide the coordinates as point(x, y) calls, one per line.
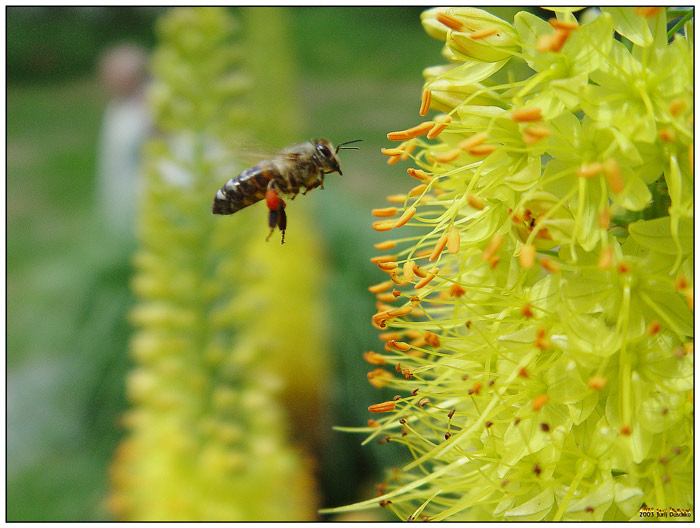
point(125, 127)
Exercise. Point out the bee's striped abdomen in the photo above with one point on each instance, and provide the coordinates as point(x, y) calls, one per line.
point(243, 190)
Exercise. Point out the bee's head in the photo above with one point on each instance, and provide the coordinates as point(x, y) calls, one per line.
point(327, 156)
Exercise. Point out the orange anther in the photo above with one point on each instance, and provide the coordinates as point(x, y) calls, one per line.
point(667, 134)
point(382, 286)
point(430, 276)
point(439, 246)
point(398, 312)
point(647, 11)
point(606, 258)
point(589, 170)
point(456, 290)
point(387, 244)
point(392, 151)
point(483, 33)
point(476, 202)
point(418, 174)
point(527, 256)
point(399, 345)
point(383, 258)
point(482, 150)
point(387, 266)
point(539, 401)
point(564, 24)
point(473, 141)
point(425, 99)
point(406, 216)
point(625, 430)
point(522, 115)
point(597, 382)
point(438, 127)
point(408, 270)
point(653, 328)
point(526, 310)
point(613, 176)
point(386, 297)
point(676, 107)
point(453, 240)
point(396, 198)
point(604, 218)
point(384, 212)
point(383, 225)
point(549, 265)
point(410, 133)
point(450, 21)
point(492, 247)
point(418, 189)
point(386, 406)
point(419, 271)
point(448, 156)
point(432, 339)
point(476, 388)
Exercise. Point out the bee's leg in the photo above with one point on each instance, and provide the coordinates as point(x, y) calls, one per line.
point(276, 217)
point(317, 183)
point(282, 221)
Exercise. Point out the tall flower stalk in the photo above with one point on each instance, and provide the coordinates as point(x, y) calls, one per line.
point(537, 308)
point(209, 438)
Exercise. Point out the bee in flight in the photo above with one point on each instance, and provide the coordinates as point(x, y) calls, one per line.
point(296, 168)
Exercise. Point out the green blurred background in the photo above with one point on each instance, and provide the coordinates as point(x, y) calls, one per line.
point(358, 75)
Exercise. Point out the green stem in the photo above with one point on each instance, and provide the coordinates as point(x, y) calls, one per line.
point(688, 15)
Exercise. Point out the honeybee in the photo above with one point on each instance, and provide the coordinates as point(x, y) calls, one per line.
point(296, 168)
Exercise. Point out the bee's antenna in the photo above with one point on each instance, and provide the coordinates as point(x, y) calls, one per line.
point(340, 145)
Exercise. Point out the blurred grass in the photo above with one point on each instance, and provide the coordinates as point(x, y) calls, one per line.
point(359, 77)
